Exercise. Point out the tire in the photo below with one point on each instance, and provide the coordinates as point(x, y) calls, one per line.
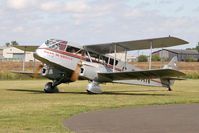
point(48, 88)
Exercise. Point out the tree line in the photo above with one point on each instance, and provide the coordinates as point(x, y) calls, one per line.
point(196, 48)
point(12, 43)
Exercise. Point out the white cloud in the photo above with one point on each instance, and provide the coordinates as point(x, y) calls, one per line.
point(51, 6)
point(96, 11)
point(134, 13)
point(20, 4)
point(17, 4)
point(165, 1)
point(1, 10)
point(76, 6)
point(18, 29)
point(197, 9)
point(177, 22)
point(23, 4)
point(70, 6)
point(179, 9)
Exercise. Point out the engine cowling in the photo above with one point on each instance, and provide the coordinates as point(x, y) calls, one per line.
point(90, 71)
point(52, 73)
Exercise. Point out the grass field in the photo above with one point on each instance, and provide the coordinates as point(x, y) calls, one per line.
point(24, 108)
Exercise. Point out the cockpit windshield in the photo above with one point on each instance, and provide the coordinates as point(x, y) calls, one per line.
point(61, 45)
point(56, 44)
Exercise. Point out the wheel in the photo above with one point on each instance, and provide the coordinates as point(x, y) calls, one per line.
point(48, 88)
point(94, 88)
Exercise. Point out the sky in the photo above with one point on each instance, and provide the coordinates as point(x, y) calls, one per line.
point(31, 22)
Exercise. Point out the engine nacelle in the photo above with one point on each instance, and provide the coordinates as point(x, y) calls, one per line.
point(52, 73)
point(90, 71)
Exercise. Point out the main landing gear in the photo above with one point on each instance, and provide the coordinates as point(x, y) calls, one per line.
point(49, 88)
point(94, 88)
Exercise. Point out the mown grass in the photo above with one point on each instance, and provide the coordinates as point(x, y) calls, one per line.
point(24, 108)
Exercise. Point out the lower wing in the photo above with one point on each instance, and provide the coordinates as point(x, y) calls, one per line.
point(144, 74)
point(30, 74)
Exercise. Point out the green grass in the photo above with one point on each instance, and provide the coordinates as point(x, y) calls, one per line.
point(24, 108)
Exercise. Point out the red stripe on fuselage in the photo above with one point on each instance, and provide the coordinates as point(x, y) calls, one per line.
point(80, 57)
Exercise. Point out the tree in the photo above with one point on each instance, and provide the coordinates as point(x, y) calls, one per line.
point(14, 43)
point(156, 58)
point(7, 44)
point(197, 47)
point(142, 58)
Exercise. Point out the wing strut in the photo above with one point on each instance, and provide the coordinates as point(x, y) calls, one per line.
point(151, 46)
point(125, 58)
point(161, 58)
point(23, 69)
point(115, 47)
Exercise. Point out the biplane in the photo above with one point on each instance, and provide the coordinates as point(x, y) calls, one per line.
point(66, 62)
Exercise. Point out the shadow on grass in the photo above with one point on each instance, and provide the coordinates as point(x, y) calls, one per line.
point(23, 90)
point(85, 93)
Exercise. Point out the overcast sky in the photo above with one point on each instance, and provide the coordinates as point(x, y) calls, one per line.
point(31, 22)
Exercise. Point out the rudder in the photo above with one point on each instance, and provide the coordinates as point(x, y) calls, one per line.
point(173, 64)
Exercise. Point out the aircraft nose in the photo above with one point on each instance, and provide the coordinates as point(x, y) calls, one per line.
point(36, 54)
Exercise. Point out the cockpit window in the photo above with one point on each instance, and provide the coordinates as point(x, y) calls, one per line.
point(56, 44)
point(62, 45)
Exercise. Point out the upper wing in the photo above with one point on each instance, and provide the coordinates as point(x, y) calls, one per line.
point(143, 74)
point(135, 45)
point(27, 48)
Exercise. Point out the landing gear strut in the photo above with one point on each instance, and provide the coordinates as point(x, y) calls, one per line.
point(51, 87)
point(169, 88)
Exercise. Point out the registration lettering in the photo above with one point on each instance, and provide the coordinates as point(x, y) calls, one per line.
point(58, 55)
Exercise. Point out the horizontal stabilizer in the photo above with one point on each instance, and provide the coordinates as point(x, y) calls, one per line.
point(143, 74)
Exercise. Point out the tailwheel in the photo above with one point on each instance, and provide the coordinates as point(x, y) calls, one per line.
point(169, 88)
point(49, 88)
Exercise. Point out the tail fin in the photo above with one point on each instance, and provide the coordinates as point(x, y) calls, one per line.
point(173, 64)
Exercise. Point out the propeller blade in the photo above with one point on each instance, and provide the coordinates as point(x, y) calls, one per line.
point(75, 75)
point(38, 69)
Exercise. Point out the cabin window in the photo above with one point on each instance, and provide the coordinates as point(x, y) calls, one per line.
point(47, 43)
point(72, 49)
point(106, 59)
point(81, 53)
point(111, 62)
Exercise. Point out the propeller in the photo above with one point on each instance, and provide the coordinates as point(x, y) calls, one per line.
point(38, 69)
point(75, 74)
